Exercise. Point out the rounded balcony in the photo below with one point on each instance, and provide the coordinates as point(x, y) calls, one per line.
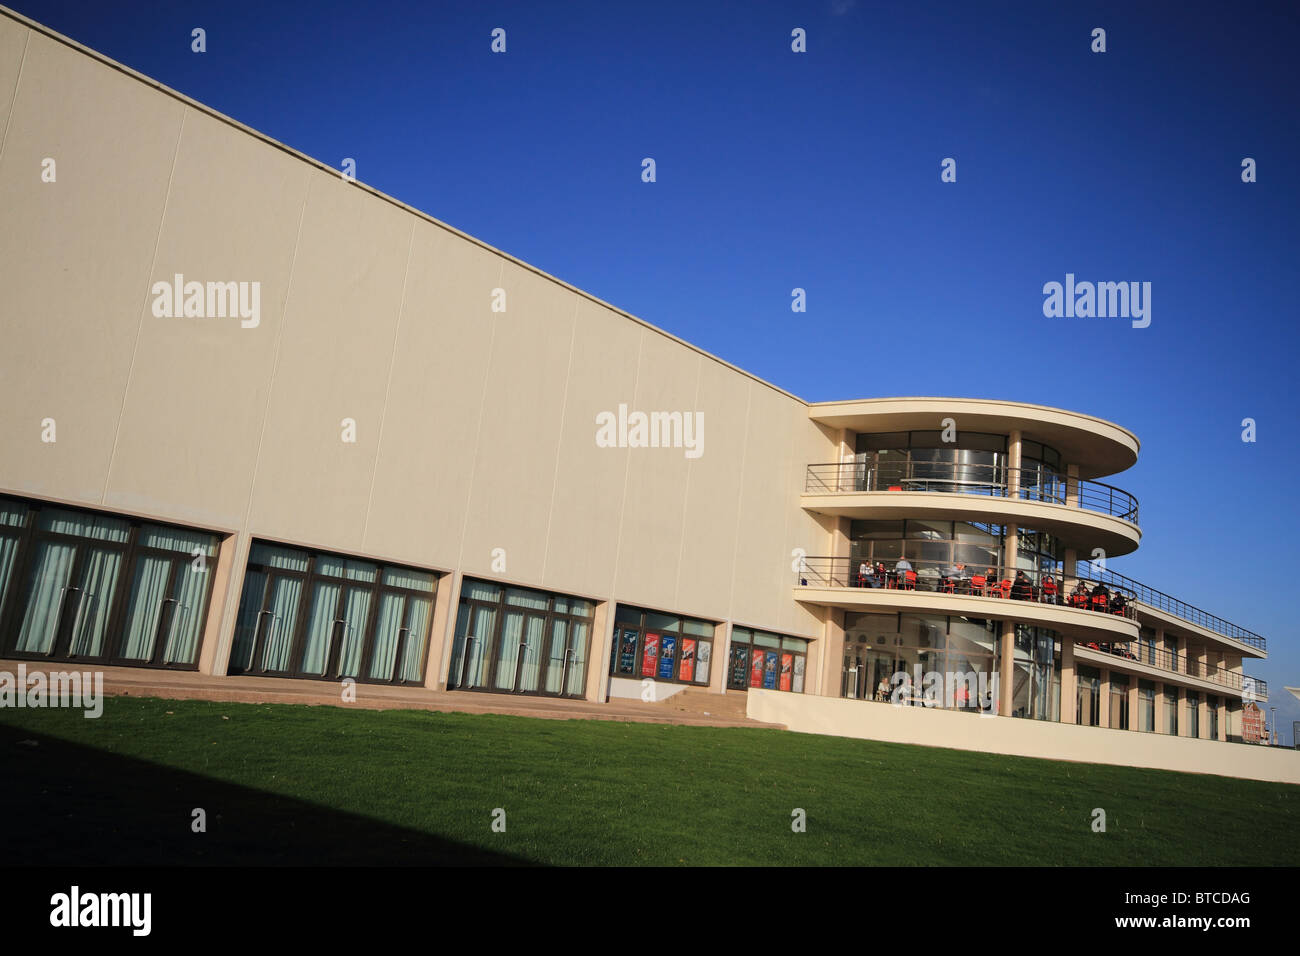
point(1092, 611)
point(1083, 514)
point(1096, 447)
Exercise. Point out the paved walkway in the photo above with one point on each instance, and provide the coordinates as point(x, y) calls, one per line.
point(692, 707)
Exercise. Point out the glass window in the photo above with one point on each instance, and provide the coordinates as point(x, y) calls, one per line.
point(83, 524)
point(339, 567)
point(662, 622)
point(331, 616)
point(523, 598)
point(1171, 711)
point(523, 641)
point(98, 587)
point(1119, 715)
point(274, 556)
point(763, 659)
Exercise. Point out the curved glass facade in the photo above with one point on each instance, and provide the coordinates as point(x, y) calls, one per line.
point(950, 662)
point(972, 461)
point(931, 546)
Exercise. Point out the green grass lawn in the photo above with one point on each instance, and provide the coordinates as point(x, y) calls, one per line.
point(293, 784)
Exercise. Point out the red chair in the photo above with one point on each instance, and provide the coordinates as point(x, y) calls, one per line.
point(1099, 603)
point(1049, 590)
point(1003, 590)
point(909, 580)
point(977, 582)
point(895, 487)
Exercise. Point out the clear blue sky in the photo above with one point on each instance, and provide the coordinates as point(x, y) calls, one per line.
point(821, 170)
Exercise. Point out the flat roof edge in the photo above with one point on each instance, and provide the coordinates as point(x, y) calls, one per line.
point(815, 406)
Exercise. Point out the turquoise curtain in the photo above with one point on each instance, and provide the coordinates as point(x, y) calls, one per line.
point(348, 568)
point(530, 668)
point(277, 557)
point(45, 593)
point(8, 552)
point(577, 680)
point(277, 632)
point(356, 611)
point(467, 668)
point(409, 579)
point(481, 591)
point(98, 584)
point(508, 650)
point(556, 661)
point(454, 676)
point(83, 524)
point(250, 602)
point(418, 611)
point(148, 591)
point(177, 539)
point(13, 514)
point(384, 650)
point(191, 593)
point(320, 627)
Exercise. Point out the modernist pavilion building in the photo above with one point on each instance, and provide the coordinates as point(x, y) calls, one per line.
point(390, 466)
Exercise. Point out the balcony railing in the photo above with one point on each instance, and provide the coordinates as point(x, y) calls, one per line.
point(1013, 584)
point(1179, 664)
point(1032, 484)
point(1170, 605)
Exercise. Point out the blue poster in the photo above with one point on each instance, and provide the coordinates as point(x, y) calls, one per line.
point(667, 651)
point(627, 652)
point(769, 670)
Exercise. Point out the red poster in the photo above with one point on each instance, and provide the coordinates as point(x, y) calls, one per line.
point(787, 665)
point(756, 668)
point(651, 656)
point(686, 669)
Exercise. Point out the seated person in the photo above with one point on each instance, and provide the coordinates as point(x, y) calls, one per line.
point(1079, 596)
point(1100, 597)
point(1022, 590)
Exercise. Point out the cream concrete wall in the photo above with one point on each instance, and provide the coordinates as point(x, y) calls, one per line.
point(76, 257)
point(13, 42)
point(475, 430)
point(1026, 738)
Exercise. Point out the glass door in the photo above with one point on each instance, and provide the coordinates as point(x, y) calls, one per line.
point(265, 631)
point(738, 668)
point(566, 660)
point(475, 630)
point(397, 651)
point(50, 599)
point(518, 652)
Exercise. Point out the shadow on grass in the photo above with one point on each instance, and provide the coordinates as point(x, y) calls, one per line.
point(68, 805)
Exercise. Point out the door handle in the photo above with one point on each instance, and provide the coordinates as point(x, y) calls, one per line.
point(77, 622)
point(58, 619)
point(265, 648)
point(464, 658)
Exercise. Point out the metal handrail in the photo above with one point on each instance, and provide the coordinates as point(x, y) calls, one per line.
point(946, 578)
point(1176, 663)
point(1032, 484)
point(1180, 609)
